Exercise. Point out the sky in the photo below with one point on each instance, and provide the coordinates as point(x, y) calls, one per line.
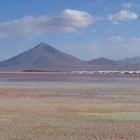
point(86, 29)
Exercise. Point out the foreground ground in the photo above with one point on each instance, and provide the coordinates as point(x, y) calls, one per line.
point(70, 111)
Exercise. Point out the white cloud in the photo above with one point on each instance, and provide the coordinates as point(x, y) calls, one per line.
point(127, 5)
point(119, 47)
point(68, 20)
point(116, 39)
point(115, 47)
point(123, 15)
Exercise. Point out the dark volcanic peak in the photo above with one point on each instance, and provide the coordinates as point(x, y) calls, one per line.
point(43, 57)
point(44, 47)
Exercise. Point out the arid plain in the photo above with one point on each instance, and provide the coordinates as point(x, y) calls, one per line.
point(69, 107)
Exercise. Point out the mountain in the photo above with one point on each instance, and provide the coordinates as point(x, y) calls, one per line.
point(124, 64)
point(130, 63)
point(132, 60)
point(43, 57)
point(102, 63)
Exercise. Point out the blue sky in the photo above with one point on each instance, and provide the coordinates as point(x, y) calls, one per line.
point(84, 28)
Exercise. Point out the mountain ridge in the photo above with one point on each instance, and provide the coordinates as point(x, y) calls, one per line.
point(44, 57)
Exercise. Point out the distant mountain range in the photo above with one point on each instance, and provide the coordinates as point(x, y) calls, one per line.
point(44, 57)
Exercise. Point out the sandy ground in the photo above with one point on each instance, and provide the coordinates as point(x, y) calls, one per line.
point(69, 111)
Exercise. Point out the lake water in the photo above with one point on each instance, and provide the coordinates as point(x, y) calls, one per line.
point(34, 80)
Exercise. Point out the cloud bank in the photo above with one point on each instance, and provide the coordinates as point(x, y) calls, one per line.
point(123, 15)
point(68, 20)
point(115, 47)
